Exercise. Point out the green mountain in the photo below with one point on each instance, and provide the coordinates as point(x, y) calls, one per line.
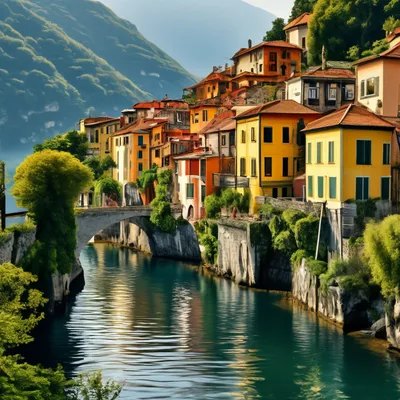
point(61, 60)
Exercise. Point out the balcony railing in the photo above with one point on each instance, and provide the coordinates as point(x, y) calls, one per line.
point(230, 181)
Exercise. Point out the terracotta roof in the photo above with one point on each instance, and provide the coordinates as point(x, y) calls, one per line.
point(331, 73)
point(350, 116)
point(213, 77)
point(222, 122)
point(395, 121)
point(393, 35)
point(276, 43)
point(394, 52)
point(164, 103)
point(278, 107)
point(303, 19)
point(140, 126)
point(260, 77)
point(197, 155)
point(215, 101)
point(91, 121)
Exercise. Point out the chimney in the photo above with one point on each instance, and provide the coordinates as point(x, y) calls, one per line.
point(226, 66)
point(250, 44)
point(323, 56)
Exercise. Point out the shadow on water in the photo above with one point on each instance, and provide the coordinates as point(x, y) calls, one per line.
point(167, 330)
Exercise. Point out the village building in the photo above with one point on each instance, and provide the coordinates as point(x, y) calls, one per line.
point(270, 147)
point(297, 30)
point(348, 157)
point(322, 89)
point(98, 131)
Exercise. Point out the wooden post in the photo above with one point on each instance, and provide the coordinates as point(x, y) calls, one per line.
point(319, 231)
point(2, 195)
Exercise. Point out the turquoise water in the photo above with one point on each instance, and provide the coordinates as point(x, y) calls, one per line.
point(167, 331)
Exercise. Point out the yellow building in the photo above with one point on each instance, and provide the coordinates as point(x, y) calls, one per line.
point(348, 157)
point(99, 131)
point(201, 114)
point(270, 147)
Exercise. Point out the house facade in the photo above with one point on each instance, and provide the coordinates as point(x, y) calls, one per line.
point(297, 30)
point(348, 156)
point(270, 147)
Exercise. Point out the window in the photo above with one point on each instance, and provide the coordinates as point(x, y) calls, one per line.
point(272, 56)
point(140, 140)
point(319, 152)
point(308, 153)
point(274, 193)
point(284, 192)
point(140, 167)
point(310, 186)
point(203, 193)
point(209, 89)
point(157, 154)
point(140, 154)
point(205, 115)
point(349, 92)
point(223, 140)
point(190, 190)
point(243, 136)
point(385, 188)
point(253, 167)
point(267, 134)
point(285, 166)
point(332, 92)
point(285, 134)
point(253, 134)
point(242, 167)
point(251, 56)
point(102, 129)
point(252, 70)
point(363, 152)
point(303, 42)
point(332, 188)
point(273, 62)
point(96, 140)
point(320, 187)
point(369, 87)
point(196, 118)
point(362, 188)
point(313, 92)
point(260, 67)
point(268, 166)
point(331, 156)
point(386, 153)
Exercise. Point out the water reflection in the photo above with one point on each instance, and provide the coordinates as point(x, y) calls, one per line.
point(168, 331)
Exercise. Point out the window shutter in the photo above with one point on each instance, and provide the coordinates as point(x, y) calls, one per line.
point(359, 186)
point(366, 188)
point(367, 152)
point(332, 188)
point(309, 153)
point(385, 186)
point(376, 85)
point(310, 186)
point(320, 187)
point(362, 89)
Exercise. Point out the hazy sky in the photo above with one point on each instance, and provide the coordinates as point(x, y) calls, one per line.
point(280, 8)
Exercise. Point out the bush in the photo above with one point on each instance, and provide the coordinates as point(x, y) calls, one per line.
point(161, 216)
point(277, 225)
point(268, 211)
point(285, 243)
point(291, 216)
point(317, 267)
point(297, 257)
point(164, 177)
point(24, 227)
point(108, 186)
point(4, 237)
point(147, 179)
point(306, 233)
point(212, 204)
point(230, 199)
point(210, 244)
point(245, 203)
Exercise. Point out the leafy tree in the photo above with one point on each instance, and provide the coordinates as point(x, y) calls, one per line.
point(212, 204)
point(48, 183)
point(100, 166)
point(285, 243)
point(381, 245)
point(72, 142)
point(391, 24)
point(149, 176)
point(108, 186)
point(276, 32)
point(300, 7)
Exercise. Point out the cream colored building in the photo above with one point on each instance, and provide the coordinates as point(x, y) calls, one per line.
point(297, 30)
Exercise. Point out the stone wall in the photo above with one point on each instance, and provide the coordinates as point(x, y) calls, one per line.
point(392, 318)
point(351, 310)
point(285, 204)
point(16, 246)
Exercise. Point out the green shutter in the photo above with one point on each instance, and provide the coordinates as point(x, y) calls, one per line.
point(385, 188)
point(368, 152)
point(320, 187)
point(386, 153)
point(360, 152)
point(319, 151)
point(309, 153)
point(332, 188)
point(359, 186)
point(331, 152)
point(366, 188)
point(310, 186)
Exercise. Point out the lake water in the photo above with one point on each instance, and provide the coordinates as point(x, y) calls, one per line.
point(166, 330)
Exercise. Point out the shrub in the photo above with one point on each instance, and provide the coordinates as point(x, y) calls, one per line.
point(285, 243)
point(164, 177)
point(268, 211)
point(210, 244)
point(277, 225)
point(147, 178)
point(306, 233)
point(297, 257)
point(27, 226)
point(317, 267)
point(245, 203)
point(212, 204)
point(230, 199)
point(108, 186)
point(161, 216)
point(4, 237)
point(381, 246)
point(292, 216)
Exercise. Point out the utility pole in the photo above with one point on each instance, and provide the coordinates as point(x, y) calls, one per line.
point(2, 195)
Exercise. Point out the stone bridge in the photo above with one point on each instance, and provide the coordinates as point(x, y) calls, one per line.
point(90, 221)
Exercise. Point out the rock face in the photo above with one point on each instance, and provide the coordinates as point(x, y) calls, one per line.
point(392, 318)
point(348, 309)
point(276, 272)
point(182, 244)
point(23, 241)
point(6, 249)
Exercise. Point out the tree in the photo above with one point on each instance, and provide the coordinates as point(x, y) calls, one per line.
point(109, 187)
point(72, 142)
point(300, 7)
point(381, 245)
point(100, 166)
point(276, 32)
point(390, 25)
point(360, 25)
point(47, 184)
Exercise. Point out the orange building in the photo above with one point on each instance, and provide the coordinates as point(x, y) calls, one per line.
point(202, 113)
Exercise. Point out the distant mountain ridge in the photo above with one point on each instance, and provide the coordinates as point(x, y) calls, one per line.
point(61, 60)
point(199, 34)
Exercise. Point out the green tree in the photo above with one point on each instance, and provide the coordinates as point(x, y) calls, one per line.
point(72, 142)
point(276, 32)
point(390, 25)
point(381, 246)
point(300, 7)
point(108, 186)
point(212, 204)
point(48, 183)
point(100, 166)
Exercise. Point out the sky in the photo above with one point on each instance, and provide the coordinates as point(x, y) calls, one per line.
point(280, 8)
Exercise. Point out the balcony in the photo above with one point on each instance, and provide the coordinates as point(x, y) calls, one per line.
point(230, 181)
